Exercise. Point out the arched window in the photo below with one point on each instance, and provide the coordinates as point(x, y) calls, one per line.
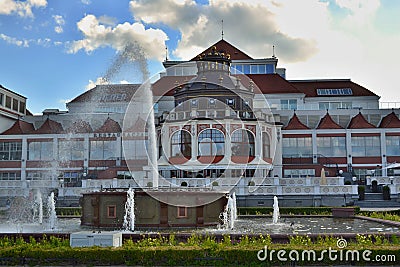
point(243, 143)
point(181, 144)
point(211, 143)
point(266, 145)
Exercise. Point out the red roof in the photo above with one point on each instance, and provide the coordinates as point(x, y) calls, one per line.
point(80, 127)
point(359, 122)
point(295, 124)
point(20, 127)
point(327, 122)
point(390, 121)
point(50, 127)
point(309, 87)
point(166, 84)
point(226, 48)
point(271, 84)
point(109, 126)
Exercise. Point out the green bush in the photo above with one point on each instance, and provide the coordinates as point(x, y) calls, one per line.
point(68, 211)
point(289, 210)
point(199, 250)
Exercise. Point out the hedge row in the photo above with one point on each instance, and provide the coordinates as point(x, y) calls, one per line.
point(68, 211)
point(181, 256)
point(289, 210)
point(199, 251)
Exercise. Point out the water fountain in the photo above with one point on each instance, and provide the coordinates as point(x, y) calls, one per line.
point(228, 215)
point(275, 215)
point(235, 216)
point(129, 217)
point(37, 207)
point(51, 212)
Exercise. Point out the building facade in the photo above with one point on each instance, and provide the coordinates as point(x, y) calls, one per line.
point(221, 120)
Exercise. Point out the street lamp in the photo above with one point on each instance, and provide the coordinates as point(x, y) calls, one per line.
point(354, 178)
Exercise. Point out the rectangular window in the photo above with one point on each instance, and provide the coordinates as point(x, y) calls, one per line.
point(393, 145)
point(8, 101)
point(262, 69)
point(289, 104)
point(70, 150)
point(246, 69)
point(1, 99)
point(230, 102)
point(182, 212)
point(111, 211)
point(40, 150)
point(135, 149)
point(298, 173)
point(254, 69)
point(331, 146)
point(39, 176)
point(366, 146)
point(297, 147)
point(103, 150)
point(10, 150)
point(15, 104)
point(22, 107)
point(10, 176)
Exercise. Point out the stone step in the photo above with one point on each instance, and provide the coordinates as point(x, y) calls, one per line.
point(373, 196)
point(377, 204)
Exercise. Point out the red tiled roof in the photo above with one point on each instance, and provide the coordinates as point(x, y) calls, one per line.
point(327, 122)
point(295, 124)
point(50, 127)
point(271, 84)
point(359, 122)
point(166, 84)
point(79, 127)
point(20, 127)
point(309, 87)
point(139, 125)
point(227, 48)
point(390, 121)
point(109, 126)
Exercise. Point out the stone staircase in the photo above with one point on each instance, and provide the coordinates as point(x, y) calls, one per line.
point(375, 200)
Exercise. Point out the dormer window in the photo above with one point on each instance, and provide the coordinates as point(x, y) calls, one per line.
point(195, 103)
point(211, 103)
point(230, 102)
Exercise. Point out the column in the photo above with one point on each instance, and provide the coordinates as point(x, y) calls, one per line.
point(314, 146)
point(383, 153)
point(194, 140)
point(24, 158)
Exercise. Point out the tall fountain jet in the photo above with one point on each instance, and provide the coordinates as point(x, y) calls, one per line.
point(275, 215)
point(51, 211)
point(129, 217)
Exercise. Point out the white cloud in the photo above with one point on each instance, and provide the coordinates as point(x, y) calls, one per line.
point(86, 2)
point(59, 20)
point(14, 41)
point(21, 8)
point(92, 84)
point(243, 21)
point(97, 35)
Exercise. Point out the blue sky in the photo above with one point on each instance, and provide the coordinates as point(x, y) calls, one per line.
point(53, 50)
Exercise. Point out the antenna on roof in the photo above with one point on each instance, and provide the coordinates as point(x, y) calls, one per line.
point(273, 51)
point(222, 29)
point(166, 53)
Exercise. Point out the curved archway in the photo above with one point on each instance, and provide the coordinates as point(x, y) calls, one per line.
point(243, 146)
point(181, 147)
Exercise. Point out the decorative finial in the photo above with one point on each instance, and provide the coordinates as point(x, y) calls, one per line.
point(166, 53)
point(222, 29)
point(273, 51)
